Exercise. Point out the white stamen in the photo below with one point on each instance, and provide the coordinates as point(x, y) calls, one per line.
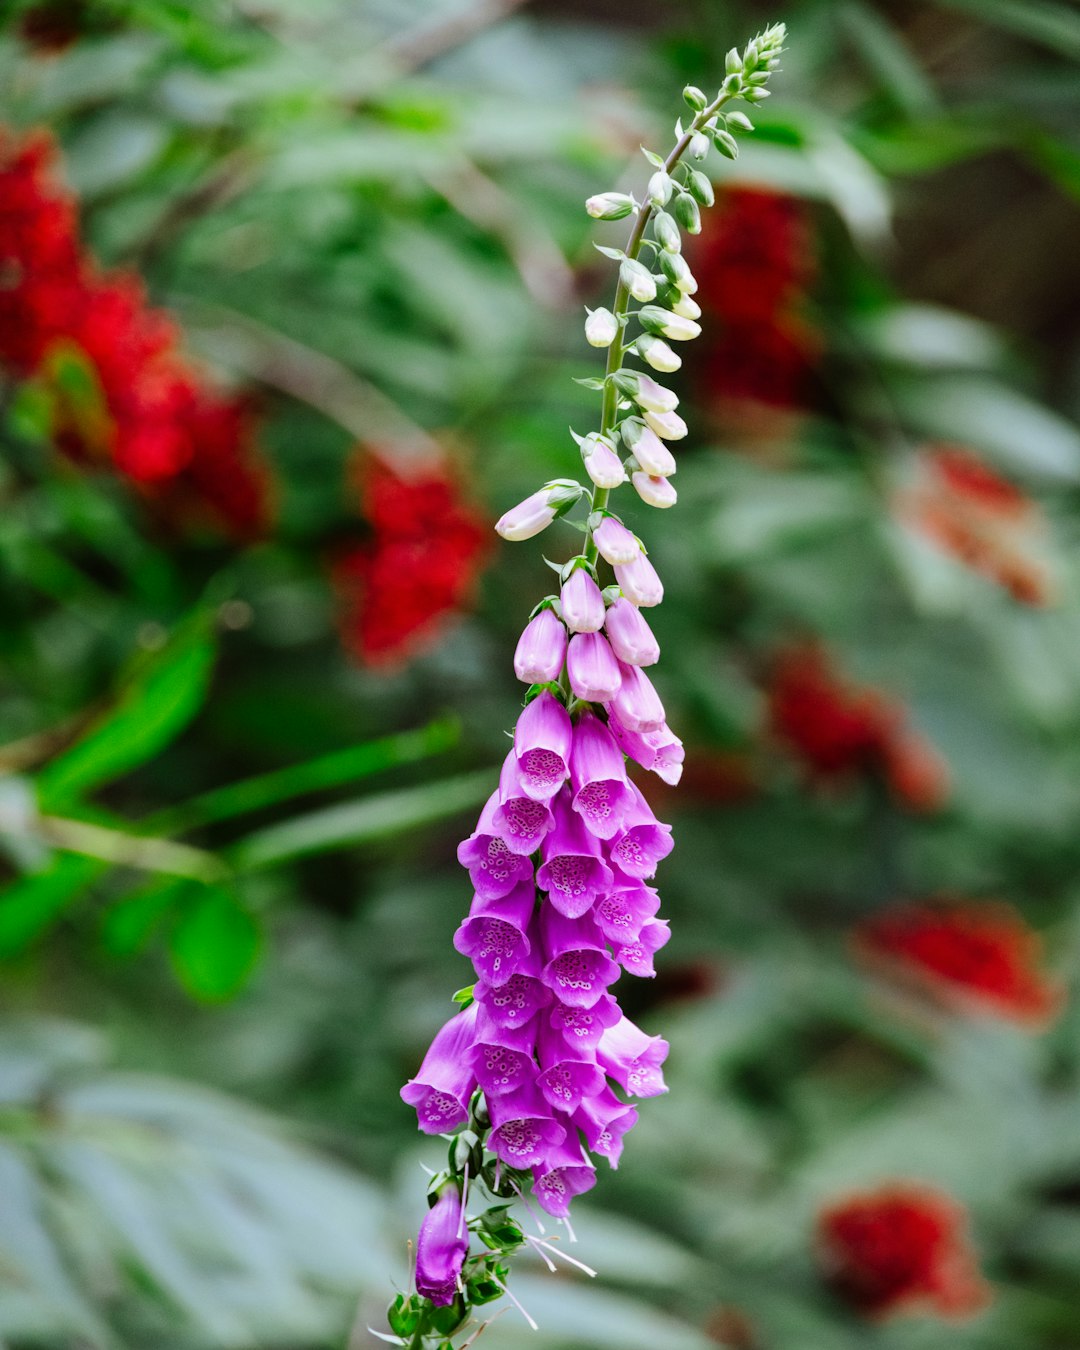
point(532, 1323)
point(539, 1243)
point(464, 1200)
point(429, 1170)
point(525, 1201)
point(569, 1230)
point(566, 1257)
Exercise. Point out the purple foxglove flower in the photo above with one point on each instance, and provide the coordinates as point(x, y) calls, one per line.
point(572, 872)
point(639, 582)
point(592, 668)
point(653, 397)
point(652, 454)
point(445, 1081)
point(502, 1057)
point(441, 1248)
point(578, 969)
point(565, 1079)
point(637, 704)
point(518, 1000)
point(529, 517)
point(602, 464)
point(636, 957)
point(493, 937)
point(541, 649)
point(581, 1028)
point(581, 602)
point(492, 866)
point(643, 843)
point(630, 636)
point(524, 1129)
point(564, 1173)
point(633, 1059)
point(623, 912)
point(542, 740)
point(661, 751)
point(603, 1120)
point(520, 820)
point(654, 490)
point(598, 780)
point(669, 426)
point(615, 543)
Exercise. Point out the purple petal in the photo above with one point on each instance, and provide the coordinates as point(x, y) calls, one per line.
point(564, 1173)
point(592, 668)
point(582, 1028)
point(633, 1059)
point(541, 649)
point(637, 705)
point(519, 819)
point(604, 1120)
point(445, 1081)
point(621, 913)
point(572, 872)
point(581, 602)
point(542, 740)
point(441, 1248)
point(630, 636)
point(523, 1128)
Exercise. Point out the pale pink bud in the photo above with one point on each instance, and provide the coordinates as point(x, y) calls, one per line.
point(652, 454)
point(637, 705)
point(630, 636)
point(668, 425)
point(616, 544)
point(581, 602)
point(541, 649)
point(601, 328)
point(592, 668)
point(602, 464)
point(658, 354)
point(654, 490)
point(655, 397)
point(528, 518)
point(639, 582)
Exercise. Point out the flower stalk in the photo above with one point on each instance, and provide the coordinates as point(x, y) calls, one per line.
point(531, 1076)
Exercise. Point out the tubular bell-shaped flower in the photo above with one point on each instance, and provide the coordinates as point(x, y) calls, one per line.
point(633, 1059)
point(602, 793)
point(520, 820)
point(541, 649)
point(445, 1081)
point(542, 741)
point(441, 1247)
point(494, 936)
point(592, 669)
point(579, 969)
point(630, 636)
point(573, 873)
point(493, 867)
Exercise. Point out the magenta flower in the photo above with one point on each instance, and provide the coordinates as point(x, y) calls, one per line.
point(603, 1120)
point(633, 1059)
point(581, 602)
point(572, 872)
point(520, 820)
point(637, 705)
point(615, 543)
point(564, 1173)
point(445, 1081)
point(492, 866)
point(660, 751)
point(442, 1247)
point(524, 1129)
point(578, 969)
point(502, 1057)
point(542, 740)
point(643, 843)
point(565, 1078)
point(493, 936)
point(623, 912)
point(592, 667)
point(541, 649)
point(639, 582)
point(518, 1000)
point(636, 957)
point(630, 636)
point(598, 780)
point(581, 1028)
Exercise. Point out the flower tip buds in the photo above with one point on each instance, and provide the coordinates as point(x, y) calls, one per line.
point(653, 490)
point(601, 328)
point(638, 280)
point(537, 511)
point(610, 205)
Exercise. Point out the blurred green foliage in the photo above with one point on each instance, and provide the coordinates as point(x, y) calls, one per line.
point(228, 849)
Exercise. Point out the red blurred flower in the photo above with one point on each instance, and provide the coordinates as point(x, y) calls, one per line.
point(54, 25)
point(837, 729)
point(419, 565)
point(971, 512)
point(753, 268)
point(135, 401)
point(901, 1249)
point(976, 955)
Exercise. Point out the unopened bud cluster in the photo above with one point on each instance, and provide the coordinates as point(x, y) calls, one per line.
point(534, 1073)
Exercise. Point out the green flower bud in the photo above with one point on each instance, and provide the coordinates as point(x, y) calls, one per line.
point(733, 62)
point(725, 142)
point(610, 206)
point(740, 120)
point(637, 279)
point(666, 232)
point(657, 354)
point(695, 97)
point(687, 213)
point(699, 184)
point(660, 186)
point(677, 271)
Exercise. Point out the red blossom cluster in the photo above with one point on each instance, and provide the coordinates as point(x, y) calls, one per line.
point(838, 729)
point(419, 564)
point(955, 499)
point(138, 405)
point(901, 1249)
point(975, 955)
point(753, 269)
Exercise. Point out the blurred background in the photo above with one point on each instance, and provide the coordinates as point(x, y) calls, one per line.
point(290, 301)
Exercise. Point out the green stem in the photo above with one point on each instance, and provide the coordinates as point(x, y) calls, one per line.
point(598, 499)
point(128, 850)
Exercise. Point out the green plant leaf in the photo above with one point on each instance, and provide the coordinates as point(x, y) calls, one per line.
point(214, 943)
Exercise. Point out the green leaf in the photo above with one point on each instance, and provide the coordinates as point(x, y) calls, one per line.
point(163, 692)
point(31, 905)
point(1053, 25)
point(130, 924)
point(362, 821)
point(214, 943)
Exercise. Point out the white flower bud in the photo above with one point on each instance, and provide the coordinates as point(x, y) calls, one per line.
point(637, 279)
point(677, 271)
point(610, 205)
point(687, 308)
point(669, 426)
point(654, 491)
point(658, 354)
point(671, 324)
point(602, 464)
point(655, 397)
point(652, 454)
point(699, 145)
point(659, 190)
point(601, 328)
